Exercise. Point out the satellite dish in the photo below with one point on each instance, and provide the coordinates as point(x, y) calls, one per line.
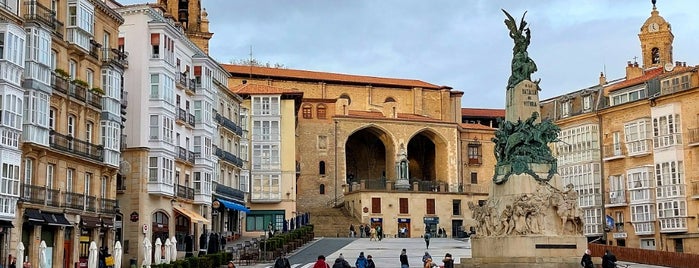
point(669, 67)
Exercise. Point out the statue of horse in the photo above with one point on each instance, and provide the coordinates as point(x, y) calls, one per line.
point(567, 212)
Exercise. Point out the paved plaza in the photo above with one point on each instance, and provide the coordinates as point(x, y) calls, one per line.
point(386, 252)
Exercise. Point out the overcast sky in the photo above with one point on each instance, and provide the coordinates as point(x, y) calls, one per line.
point(463, 44)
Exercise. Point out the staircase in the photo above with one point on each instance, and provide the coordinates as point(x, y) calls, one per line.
point(332, 222)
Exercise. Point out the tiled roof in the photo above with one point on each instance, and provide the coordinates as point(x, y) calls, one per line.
point(323, 76)
point(253, 89)
point(647, 75)
point(476, 126)
point(482, 112)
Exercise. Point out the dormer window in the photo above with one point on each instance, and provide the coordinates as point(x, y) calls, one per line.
point(565, 108)
point(587, 102)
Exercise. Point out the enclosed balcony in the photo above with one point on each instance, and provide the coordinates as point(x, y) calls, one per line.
point(75, 146)
point(639, 147)
point(673, 225)
point(667, 140)
point(671, 191)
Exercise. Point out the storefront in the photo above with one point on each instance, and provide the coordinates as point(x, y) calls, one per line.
point(90, 229)
point(403, 227)
point(227, 218)
point(186, 225)
point(49, 227)
point(431, 225)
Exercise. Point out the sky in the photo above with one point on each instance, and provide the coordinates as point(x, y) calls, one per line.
point(463, 44)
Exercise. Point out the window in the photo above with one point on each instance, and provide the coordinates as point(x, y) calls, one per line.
point(90, 77)
point(474, 178)
point(153, 169)
point(197, 182)
point(321, 168)
point(321, 111)
point(616, 189)
point(154, 81)
point(155, 43)
point(265, 131)
point(28, 171)
point(71, 125)
point(265, 105)
point(628, 96)
point(666, 131)
point(88, 182)
point(154, 129)
point(266, 187)
point(403, 206)
point(88, 132)
point(655, 55)
point(168, 125)
point(474, 153)
point(11, 107)
point(197, 145)
point(72, 69)
point(669, 179)
point(565, 108)
point(260, 220)
point(616, 143)
point(197, 112)
point(50, 168)
point(375, 205)
point(430, 207)
point(587, 102)
point(456, 207)
point(69, 179)
point(675, 84)
point(103, 187)
point(636, 134)
point(10, 182)
point(322, 189)
point(168, 168)
point(52, 118)
point(619, 224)
point(307, 111)
point(265, 156)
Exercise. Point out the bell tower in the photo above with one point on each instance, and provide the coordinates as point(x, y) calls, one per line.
point(192, 17)
point(656, 40)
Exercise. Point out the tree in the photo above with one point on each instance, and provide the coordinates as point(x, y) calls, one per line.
point(254, 62)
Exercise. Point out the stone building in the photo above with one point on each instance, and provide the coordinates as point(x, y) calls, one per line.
point(647, 137)
point(382, 148)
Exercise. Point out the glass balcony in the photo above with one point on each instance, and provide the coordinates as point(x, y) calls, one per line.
point(671, 191)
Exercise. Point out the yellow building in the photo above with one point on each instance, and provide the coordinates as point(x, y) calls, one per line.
point(354, 132)
point(647, 140)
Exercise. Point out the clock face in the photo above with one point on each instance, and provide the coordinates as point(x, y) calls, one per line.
point(653, 27)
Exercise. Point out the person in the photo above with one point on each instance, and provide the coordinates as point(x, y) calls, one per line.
point(428, 263)
point(586, 261)
point(231, 264)
point(448, 261)
point(404, 259)
point(425, 257)
point(361, 261)
point(367, 230)
point(27, 264)
point(282, 262)
point(439, 232)
point(351, 230)
point(13, 263)
point(379, 232)
point(361, 231)
point(427, 240)
point(608, 260)
point(372, 233)
point(340, 262)
point(370, 262)
point(320, 263)
point(444, 232)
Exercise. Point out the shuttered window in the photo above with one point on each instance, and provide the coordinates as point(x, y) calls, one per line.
point(403, 205)
point(375, 205)
point(430, 206)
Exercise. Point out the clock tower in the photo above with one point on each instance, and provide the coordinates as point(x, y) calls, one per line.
point(656, 40)
point(193, 19)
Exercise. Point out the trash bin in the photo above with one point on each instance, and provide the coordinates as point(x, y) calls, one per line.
point(132, 263)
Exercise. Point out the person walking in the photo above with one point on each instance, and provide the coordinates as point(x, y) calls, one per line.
point(379, 232)
point(608, 260)
point(370, 262)
point(320, 263)
point(367, 230)
point(282, 262)
point(404, 259)
point(340, 262)
point(361, 231)
point(372, 234)
point(427, 240)
point(351, 230)
point(448, 261)
point(361, 261)
point(586, 261)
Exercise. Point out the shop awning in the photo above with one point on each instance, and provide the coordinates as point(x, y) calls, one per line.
point(107, 222)
point(233, 205)
point(90, 222)
point(34, 216)
point(6, 224)
point(55, 219)
point(193, 216)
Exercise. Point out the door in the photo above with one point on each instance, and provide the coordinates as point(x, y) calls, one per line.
point(68, 249)
point(456, 228)
point(405, 225)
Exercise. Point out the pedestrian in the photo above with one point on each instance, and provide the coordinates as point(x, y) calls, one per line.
point(361, 230)
point(404, 259)
point(367, 230)
point(351, 230)
point(370, 262)
point(608, 260)
point(427, 240)
point(444, 232)
point(372, 234)
point(586, 261)
point(320, 263)
point(13, 263)
point(379, 232)
point(282, 262)
point(340, 262)
point(425, 257)
point(439, 232)
point(448, 261)
point(230, 264)
point(361, 261)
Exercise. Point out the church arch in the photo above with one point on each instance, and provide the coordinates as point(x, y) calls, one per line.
point(427, 156)
point(369, 154)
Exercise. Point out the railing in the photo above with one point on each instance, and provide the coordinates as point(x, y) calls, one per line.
point(60, 84)
point(639, 147)
point(192, 85)
point(667, 140)
point(184, 192)
point(227, 123)
point(91, 203)
point(181, 115)
point(228, 191)
point(94, 49)
point(123, 144)
point(114, 56)
point(182, 81)
point(191, 157)
point(182, 154)
point(124, 98)
point(190, 119)
point(95, 100)
point(670, 191)
point(228, 157)
point(617, 197)
point(121, 186)
point(58, 28)
point(613, 151)
point(74, 200)
point(36, 12)
point(77, 92)
point(376, 184)
point(107, 205)
point(76, 146)
point(33, 194)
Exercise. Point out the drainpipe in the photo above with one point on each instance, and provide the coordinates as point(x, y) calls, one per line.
point(602, 180)
point(335, 168)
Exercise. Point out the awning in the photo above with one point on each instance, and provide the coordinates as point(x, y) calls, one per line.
point(90, 222)
point(34, 216)
point(6, 224)
point(233, 205)
point(107, 223)
point(55, 219)
point(193, 216)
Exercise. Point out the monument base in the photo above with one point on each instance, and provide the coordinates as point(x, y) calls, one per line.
point(526, 251)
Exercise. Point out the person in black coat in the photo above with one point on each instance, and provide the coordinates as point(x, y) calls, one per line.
point(586, 261)
point(608, 260)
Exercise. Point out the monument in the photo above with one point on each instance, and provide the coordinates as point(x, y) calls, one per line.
point(529, 219)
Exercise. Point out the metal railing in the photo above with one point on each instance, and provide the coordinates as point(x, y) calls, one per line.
point(74, 200)
point(182, 81)
point(91, 203)
point(36, 12)
point(115, 56)
point(617, 197)
point(182, 153)
point(190, 119)
point(184, 192)
point(60, 84)
point(76, 146)
point(107, 205)
point(228, 157)
point(33, 194)
point(227, 123)
point(181, 115)
point(613, 151)
point(95, 100)
point(77, 92)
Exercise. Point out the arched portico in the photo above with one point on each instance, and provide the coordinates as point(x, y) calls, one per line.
point(427, 154)
point(369, 154)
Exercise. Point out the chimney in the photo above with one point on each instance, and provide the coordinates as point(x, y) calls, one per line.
point(633, 71)
point(602, 79)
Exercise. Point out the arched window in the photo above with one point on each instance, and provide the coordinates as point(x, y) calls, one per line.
point(321, 111)
point(307, 111)
point(321, 168)
point(345, 96)
point(655, 55)
point(390, 99)
point(160, 225)
point(322, 189)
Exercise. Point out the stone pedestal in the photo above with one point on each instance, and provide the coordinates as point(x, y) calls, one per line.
point(402, 185)
point(521, 101)
point(526, 251)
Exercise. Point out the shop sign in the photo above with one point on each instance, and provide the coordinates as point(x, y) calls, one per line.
point(216, 204)
point(134, 216)
point(433, 220)
point(619, 235)
point(404, 220)
point(376, 219)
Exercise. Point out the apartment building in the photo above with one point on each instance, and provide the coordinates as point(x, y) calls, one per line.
point(61, 125)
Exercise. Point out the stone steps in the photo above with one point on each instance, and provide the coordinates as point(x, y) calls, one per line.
point(332, 222)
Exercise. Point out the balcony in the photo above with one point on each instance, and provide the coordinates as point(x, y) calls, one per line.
point(382, 184)
point(227, 123)
point(77, 92)
point(94, 100)
point(185, 156)
point(124, 99)
point(617, 198)
point(107, 205)
point(190, 120)
point(60, 84)
point(192, 85)
point(228, 157)
point(95, 49)
point(639, 147)
point(184, 192)
point(115, 57)
point(75, 146)
point(671, 191)
point(74, 200)
point(667, 140)
point(644, 228)
point(695, 189)
point(39, 195)
point(123, 145)
point(181, 116)
point(673, 225)
point(38, 13)
point(693, 137)
point(613, 151)
point(228, 192)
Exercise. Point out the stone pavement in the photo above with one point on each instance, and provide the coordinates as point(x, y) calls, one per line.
point(386, 252)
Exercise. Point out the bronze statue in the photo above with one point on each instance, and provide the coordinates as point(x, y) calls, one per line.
point(522, 65)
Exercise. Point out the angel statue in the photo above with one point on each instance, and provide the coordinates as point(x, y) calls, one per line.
point(522, 65)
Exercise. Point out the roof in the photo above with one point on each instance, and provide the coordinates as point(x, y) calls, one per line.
point(254, 89)
point(325, 76)
point(647, 75)
point(476, 126)
point(482, 112)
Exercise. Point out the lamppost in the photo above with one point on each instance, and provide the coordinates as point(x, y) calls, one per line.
point(336, 165)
